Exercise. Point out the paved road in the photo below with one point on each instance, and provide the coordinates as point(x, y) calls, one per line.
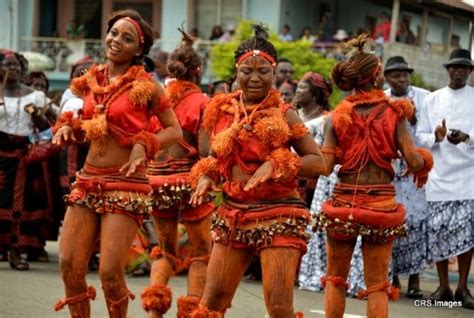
point(32, 294)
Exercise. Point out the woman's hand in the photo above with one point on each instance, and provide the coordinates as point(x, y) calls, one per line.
point(261, 175)
point(64, 134)
point(205, 184)
point(137, 157)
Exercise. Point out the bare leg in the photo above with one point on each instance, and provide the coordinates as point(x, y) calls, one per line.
point(199, 233)
point(442, 268)
point(117, 234)
point(339, 254)
point(464, 263)
point(163, 268)
point(376, 263)
point(278, 276)
point(224, 272)
point(78, 238)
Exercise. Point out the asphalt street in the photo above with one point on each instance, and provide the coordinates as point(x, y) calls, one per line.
point(32, 294)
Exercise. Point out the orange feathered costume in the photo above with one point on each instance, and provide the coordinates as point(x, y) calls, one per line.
point(272, 214)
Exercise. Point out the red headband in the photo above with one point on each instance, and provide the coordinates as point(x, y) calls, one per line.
point(263, 54)
point(138, 28)
point(376, 69)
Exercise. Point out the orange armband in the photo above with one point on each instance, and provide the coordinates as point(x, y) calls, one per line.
point(420, 177)
point(207, 166)
point(285, 164)
point(149, 140)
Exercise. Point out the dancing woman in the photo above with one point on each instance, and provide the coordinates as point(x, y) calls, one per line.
point(363, 135)
point(112, 194)
point(169, 177)
point(252, 132)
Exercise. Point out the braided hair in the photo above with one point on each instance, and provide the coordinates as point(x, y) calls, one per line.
point(257, 42)
point(185, 63)
point(357, 72)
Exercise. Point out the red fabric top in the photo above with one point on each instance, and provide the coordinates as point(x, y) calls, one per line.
point(366, 138)
point(124, 118)
point(249, 156)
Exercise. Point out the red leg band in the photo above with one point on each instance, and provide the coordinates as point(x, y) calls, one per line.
point(89, 294)
point(336, 280)
point(115, 304)
point(204, 312)
point(392, 292)
point(156, 298)
point(186, 305)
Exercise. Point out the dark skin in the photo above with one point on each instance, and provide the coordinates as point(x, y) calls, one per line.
point(284, 72)
point(399, 81)
point(376, 256)
point(11, 73)
point(458, 76)
point(307, 102)
point(82, 226)
point(255, 75)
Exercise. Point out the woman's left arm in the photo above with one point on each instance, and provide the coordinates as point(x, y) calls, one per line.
point(313, 162)
point(171, 131)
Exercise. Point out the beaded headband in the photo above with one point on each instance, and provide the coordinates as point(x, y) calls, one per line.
point(263, 54)
point(137, 27)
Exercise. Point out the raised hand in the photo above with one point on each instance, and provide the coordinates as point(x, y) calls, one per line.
point(441, 131)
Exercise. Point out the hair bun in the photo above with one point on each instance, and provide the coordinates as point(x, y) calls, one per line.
point(177, 69)
point(260, 32)
point(345, 76)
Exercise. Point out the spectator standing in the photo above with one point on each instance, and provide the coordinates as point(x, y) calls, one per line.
point(382, 29)
point(160, 58)
point(445, 126)
point(285, 34)
point(284, 71)
point(404, 34)
point(216, 33)
point(409, 253)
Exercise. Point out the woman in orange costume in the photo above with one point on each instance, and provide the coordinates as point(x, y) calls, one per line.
point(111, 194)
point(363, 134)
point(252, 132)
point(169, 177)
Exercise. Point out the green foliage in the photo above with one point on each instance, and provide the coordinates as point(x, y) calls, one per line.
point(300, 53)
point(418, 81)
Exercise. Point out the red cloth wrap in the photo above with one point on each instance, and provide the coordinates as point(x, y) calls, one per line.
point(239, 218)
point(377, 211)
point(367, 138)
point(96, 189)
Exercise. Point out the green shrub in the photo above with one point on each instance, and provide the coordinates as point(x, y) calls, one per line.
point(300, 53)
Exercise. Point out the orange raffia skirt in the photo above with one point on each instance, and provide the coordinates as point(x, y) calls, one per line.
point(106, 190)
point(369, 210)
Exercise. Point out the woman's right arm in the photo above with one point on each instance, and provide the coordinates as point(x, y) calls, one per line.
point(329, 145)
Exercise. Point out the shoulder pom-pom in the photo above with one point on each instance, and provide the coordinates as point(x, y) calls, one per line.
point(341, 116)
point(79, 86)
point(403, 107)
point(211, 112)
point(142, 92)
point(298, 131)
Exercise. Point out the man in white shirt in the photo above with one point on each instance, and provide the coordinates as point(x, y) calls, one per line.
point(445, 125)
point(409, 255)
